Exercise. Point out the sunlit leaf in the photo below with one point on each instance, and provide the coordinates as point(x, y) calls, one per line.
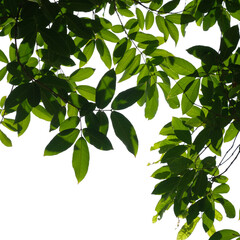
point(104, 52)
point(80, 159)
point(126, 60)
point(149, 20)
point(140, 18)
point(225, 234)
point(81, 74)
point(5, 140)
point(3, 57)
point(187, 230)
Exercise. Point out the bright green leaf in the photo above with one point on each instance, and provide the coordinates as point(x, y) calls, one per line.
point(81, 74)
point(80, 160)
point(5, 140)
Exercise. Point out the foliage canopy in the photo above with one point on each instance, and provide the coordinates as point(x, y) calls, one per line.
point(49, 35)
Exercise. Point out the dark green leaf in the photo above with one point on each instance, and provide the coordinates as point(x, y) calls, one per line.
point(97, 139)
point(229, 42)
point(181, 131)
point(106, 89)
point(103, 122)
point(228, 207)
point(127, 98)
point(207, 55)
point(61, 142)
point(125, 131)
point(166, 186)
point(225, 234)
point(174, 152)
point(80, 160)
point(121, 47)
point(189, 96)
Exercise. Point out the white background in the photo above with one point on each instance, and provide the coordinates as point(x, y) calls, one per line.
point(40, 197)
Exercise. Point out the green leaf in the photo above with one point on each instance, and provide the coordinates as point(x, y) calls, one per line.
point(228, 207)
point(3, 72)
point(106, 89)
point(162, 173)
point(23, 111)
point(207, 55)
point(125, 12)
point(127, 98)
point(162, 26)
point(5, 140)
point(126, 60)
point(104, 52)
point(225, 234)
point(152, 102)
point(174, 152)
point(40, 112)
point(229, 42)
point(97, 139)
point(81, 74)
point(169, 6)
point(180, 18)
point(231, 132)
point(201, 182)
point(108, 36)
point(17, 95)
point(222, 188)
point(140, 18)
point(181, 131)
point(121, 47)
point(87, 53)
point(26, 48)
point(103, 122)
point(180, 86)
point(87, 91)
point(180, 66)
point(189, 96)
point(173, 102)
point(149, 20)
point(187, 230)
point(173, 31)
point(55, 41)
point(3, 57)
point(125, 131)
point(61, 142)
point(166, 186)
point(80, 159)
point(71, 122)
